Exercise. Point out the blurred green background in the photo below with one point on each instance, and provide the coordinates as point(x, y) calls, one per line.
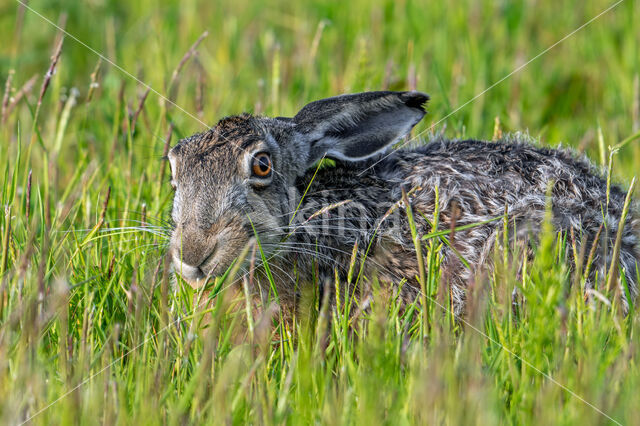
point(272, 57)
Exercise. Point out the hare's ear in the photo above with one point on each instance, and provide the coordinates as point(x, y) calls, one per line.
point(355, 127)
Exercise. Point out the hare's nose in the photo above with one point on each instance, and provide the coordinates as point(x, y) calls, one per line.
point(191, 256)
point(197, 271)
point(192, 246)
point(188, 272)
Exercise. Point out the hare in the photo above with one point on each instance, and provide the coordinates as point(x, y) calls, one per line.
point(259, 177)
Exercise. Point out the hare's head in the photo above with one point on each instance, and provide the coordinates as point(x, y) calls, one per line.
point(237, 179)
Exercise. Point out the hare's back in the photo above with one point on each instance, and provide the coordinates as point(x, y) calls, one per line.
point(494, 174)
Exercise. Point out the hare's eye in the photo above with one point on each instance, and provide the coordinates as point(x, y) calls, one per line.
point(261, 165)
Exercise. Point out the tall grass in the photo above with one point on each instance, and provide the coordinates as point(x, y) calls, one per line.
point(94, 329)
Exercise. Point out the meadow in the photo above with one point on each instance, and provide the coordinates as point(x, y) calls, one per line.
point(94, 329)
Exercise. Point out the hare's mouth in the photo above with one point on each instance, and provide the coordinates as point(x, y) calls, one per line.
point(195, 276)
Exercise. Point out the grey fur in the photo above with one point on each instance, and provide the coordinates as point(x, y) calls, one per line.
point(219, 205)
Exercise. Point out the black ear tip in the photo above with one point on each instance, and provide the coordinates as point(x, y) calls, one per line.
point(415, 99)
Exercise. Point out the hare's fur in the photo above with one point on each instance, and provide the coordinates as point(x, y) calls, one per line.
point(219, 206)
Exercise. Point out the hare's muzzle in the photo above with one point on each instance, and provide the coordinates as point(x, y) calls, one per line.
point(201, 253)
point(194, 255)
point(191, 274)
point(195, 275)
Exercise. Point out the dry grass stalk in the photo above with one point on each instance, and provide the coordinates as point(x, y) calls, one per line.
point(104, 209)
point(200, 87)
point(62, 24)
point(191, 52)
point(497, 129)
point(316, 41)
point(138, 110)
point(94, 81)
point(15, 100)
point(50, 72)
point(592, 252)
point(7, 93)
point(165, 151)
point(613, 269)
point(28, 206)
point(422, 273)
point(19, 26)
point(116, 124)
point(5, 240)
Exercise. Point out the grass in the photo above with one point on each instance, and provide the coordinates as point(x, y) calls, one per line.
point(94, 330)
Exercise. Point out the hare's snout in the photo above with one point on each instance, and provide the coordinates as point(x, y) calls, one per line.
point(200, 254)
point(191, 274)
point(195, 260)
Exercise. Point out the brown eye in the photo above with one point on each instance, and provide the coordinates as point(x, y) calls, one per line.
point(261, 165)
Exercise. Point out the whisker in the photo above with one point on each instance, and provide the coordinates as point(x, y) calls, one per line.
point(141, 247)
point(301, 250)
point(136, 228)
